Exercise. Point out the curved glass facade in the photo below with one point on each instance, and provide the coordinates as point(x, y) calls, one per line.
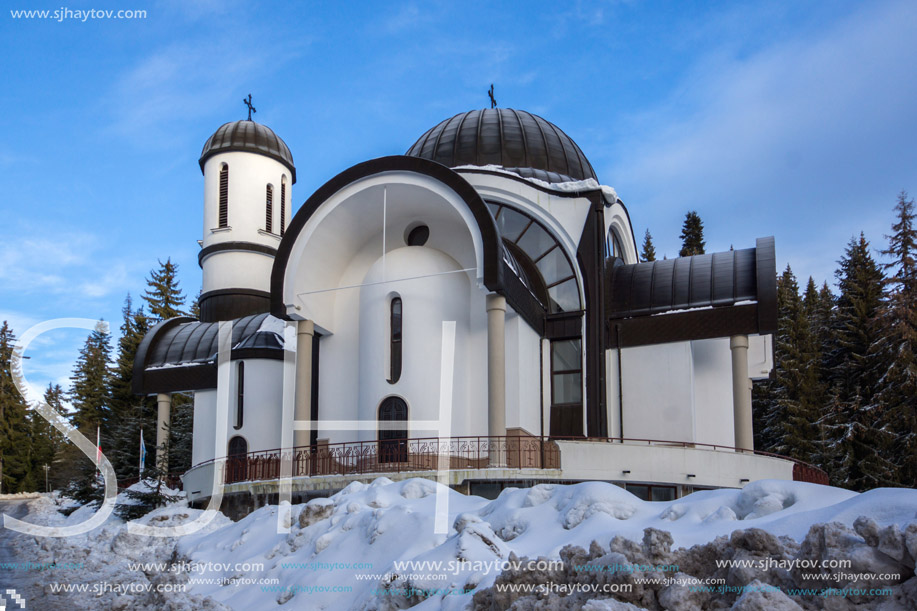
point(545, 253)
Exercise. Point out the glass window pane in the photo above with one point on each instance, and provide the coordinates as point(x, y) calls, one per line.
point(641, 492)
point(567, 355)
point(536, 241)
point(565, 295)
point(663, 493)
point(554, 266)
point(567, 388)
point(511, 224)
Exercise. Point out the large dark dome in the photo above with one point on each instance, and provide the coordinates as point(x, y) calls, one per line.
point(250, 137)
point(515, 139)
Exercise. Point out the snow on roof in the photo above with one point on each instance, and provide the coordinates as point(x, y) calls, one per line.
point(575, 186)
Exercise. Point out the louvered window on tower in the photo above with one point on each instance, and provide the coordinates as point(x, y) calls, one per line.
point(283, 203)
point(269, 209)
point(224, 196)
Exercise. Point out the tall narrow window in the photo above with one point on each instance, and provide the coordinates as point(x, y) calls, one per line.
point(240, 394)
point(283, 203)
point(393, 442)
point(224, 196)
point(269, 209)
point(566, 387)
point(395, 341)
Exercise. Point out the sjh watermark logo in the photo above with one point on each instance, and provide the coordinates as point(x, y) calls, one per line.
point(13, 597)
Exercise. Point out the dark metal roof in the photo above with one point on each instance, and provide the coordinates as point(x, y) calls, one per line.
point(180, 354)
point(250, 137)
point(685, 283)
point(514, 139)
point(699, 297)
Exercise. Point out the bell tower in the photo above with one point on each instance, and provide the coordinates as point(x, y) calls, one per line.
point(248, 175)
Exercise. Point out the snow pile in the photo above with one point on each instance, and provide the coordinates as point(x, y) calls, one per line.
point(103, 559)
point(373, 547)
point(355, 538)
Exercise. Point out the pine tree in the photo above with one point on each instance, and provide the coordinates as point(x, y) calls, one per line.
point(692, 235)
point(181, 433)
point(163, 295)
point(45, 439)
point(129, 413)
point(860, 449)
point(794, 431)
point(195, 311)
point(649, 250)
point(89, 391)
point(90, 397)
point(14, 425)
point(897, 348)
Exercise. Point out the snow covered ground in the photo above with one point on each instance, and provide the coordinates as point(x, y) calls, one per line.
point(341, 552)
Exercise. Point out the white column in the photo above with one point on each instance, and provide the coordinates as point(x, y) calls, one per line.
point(305, 333)
point(163, 421)
point(741, 392)
point(496, 373)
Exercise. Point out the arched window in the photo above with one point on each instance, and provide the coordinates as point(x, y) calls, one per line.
point(283, 203)
point(240, 394)
point(393, 442)
point(529, 239)
point(269, 209)
point(395, 324)
point(237, 460)
point(224, 196)
point(613, 246)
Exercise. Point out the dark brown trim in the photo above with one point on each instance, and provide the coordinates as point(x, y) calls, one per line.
point(766, 276)
point(493, 269)
point(591, 258)
point(246, 149)
point(245, 246)
point(691, 325)
point(220, 292)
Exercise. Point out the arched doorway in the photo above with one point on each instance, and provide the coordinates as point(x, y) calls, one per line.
point(393, 442)
point(237, 460)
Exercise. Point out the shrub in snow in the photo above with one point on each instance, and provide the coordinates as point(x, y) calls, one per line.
point(145, 496)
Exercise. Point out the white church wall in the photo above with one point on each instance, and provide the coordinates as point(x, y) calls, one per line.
point(658, 391)
point(523, 375)
point(203, 426)
point(441, 293)
point(760, 356)
point(712, 362)
point(262, 404)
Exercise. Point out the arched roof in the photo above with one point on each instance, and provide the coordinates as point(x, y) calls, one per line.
point(517, 140)
point(250, 137)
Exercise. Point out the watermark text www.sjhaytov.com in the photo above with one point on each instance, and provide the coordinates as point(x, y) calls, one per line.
point(67, 14)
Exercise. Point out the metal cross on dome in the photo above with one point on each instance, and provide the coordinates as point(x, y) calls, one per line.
point(493, 100)
point(248, 102)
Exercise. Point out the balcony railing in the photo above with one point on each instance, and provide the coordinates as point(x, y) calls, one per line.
point(399, 455)
point(433, 453)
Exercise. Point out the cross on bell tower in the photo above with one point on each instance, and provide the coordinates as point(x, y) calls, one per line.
point(248, 102)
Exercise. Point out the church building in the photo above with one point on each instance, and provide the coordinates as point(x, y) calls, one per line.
point(476, 305)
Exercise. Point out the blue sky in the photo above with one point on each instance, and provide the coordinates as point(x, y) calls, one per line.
point(792, 119)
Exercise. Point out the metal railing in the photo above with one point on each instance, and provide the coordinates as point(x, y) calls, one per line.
point(434, 453)
point(397, 456)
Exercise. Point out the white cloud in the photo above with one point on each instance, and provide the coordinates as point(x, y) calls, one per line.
point(761, 140)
